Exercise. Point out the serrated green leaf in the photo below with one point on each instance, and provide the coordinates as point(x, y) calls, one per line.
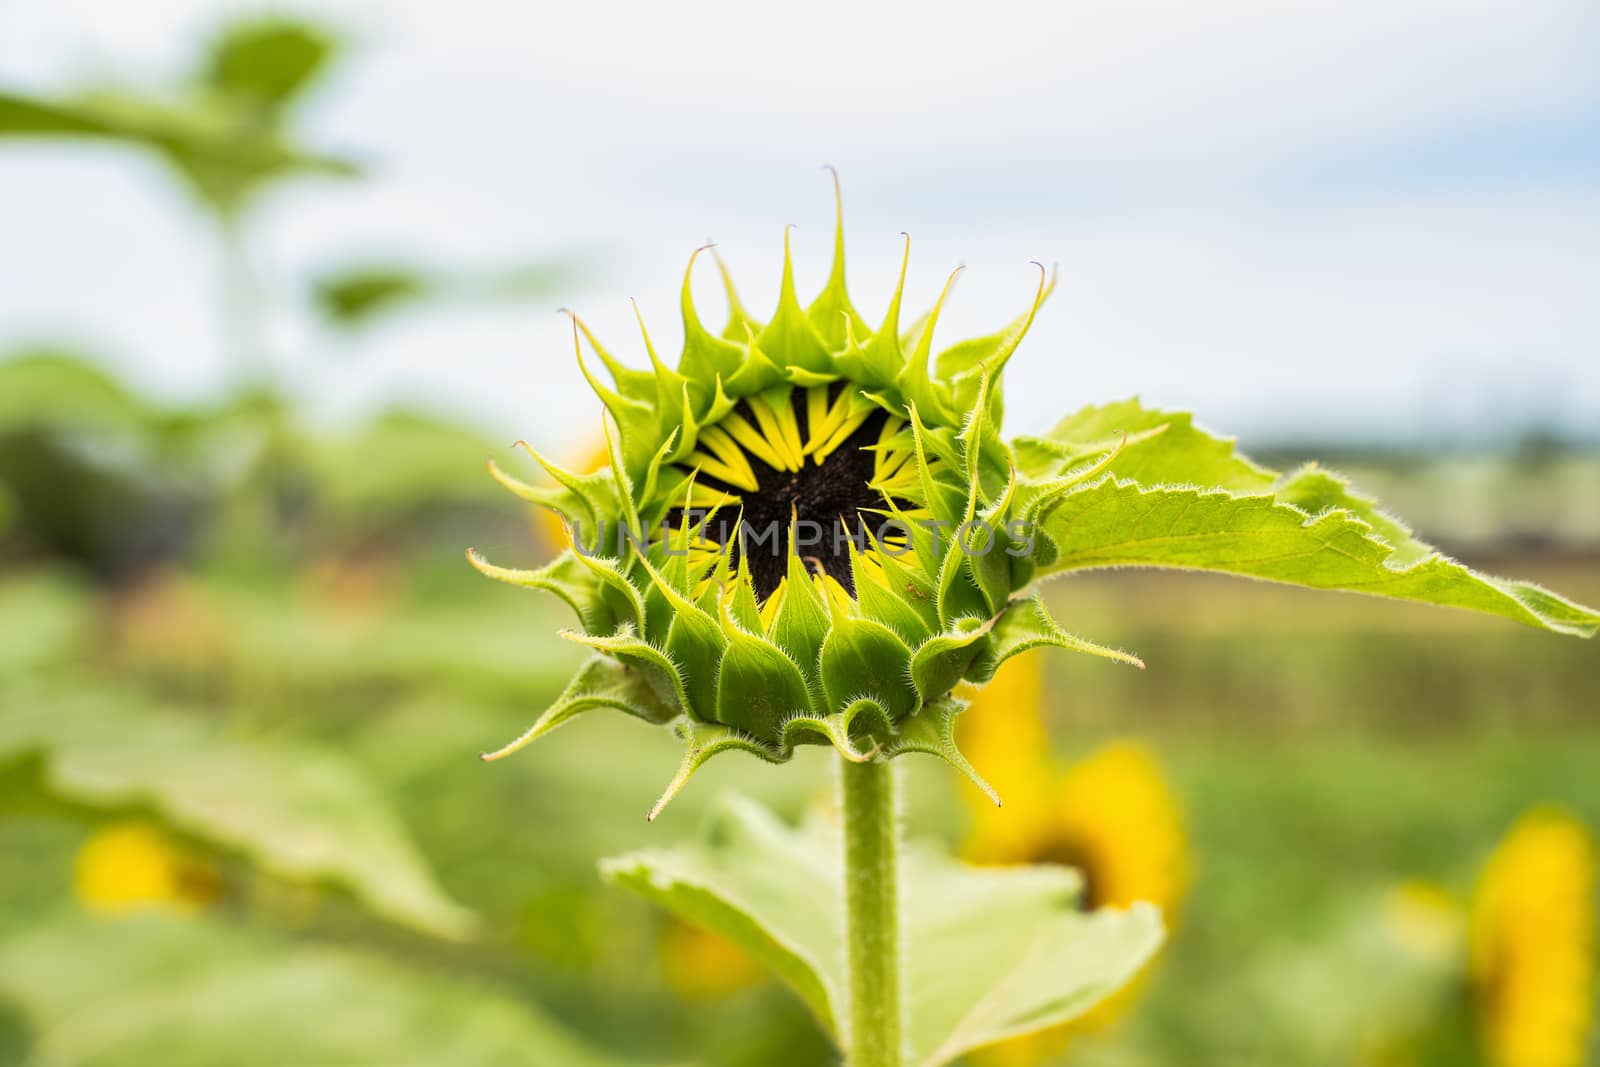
point(148, 990)
point(1119, 524)
point(1313, 490)
point(772, 891)
point(294, 811)
point(1179, 454)
point(1029, 958)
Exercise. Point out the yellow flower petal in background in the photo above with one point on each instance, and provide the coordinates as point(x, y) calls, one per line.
point(1424, 920)
point(701, 965)
point(1002, 734)
point(1533, 944)
point(1111, 816)
point(132, 866)
point(546, 523)
point(1117, 822)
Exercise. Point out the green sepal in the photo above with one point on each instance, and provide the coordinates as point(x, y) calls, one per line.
point(958, 594)
point(599, 683)
point(740, 321)
point(565, 503)
point(942, 660)
point(697, 644)
point(702, 741)
point(909, 585)
point(567, 578)
point(759, 372)
point(826, 730)
point(636, 419)
point(1026, 624)
point(885, 605)
point(932, 732)
point(759, 688)
point(964, 364)
point(878, 362)
point(801, 621)
point(801, 378)
point(633, 384)
point(992, 569)
point(831, 313)
point(944, 500)
point(862, 658)
point(658, 670)
point(619, 594)
point(706, 357)
point(790, 332)
point(742, 603)
point(913, 381)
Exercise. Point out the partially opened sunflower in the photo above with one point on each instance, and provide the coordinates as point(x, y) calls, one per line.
point(810, 529)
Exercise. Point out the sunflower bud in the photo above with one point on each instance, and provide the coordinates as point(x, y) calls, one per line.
point(809, 532)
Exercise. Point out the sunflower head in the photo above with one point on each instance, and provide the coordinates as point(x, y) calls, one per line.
point(1532, 935)
point(131, 867)
point(809, 530)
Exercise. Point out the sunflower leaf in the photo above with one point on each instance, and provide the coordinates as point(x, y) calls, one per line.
point(1163, 448)
point(1030, 958)
point(292, 811)
point(1114, 523)
point(155, 989)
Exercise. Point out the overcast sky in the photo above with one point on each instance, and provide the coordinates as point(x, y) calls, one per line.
point(1288, 217)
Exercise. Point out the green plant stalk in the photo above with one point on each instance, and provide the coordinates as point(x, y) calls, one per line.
point(872, 911)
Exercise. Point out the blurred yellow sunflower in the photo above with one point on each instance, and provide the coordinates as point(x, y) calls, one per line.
point(1532, 937)
point(1111, 816)
point(701, 965)
point(132, 866)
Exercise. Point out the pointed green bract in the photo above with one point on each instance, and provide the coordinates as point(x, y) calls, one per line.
point(935, 594)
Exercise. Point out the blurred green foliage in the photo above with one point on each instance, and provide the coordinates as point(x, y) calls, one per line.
point(356, 296)
point(258, 637)
point(224, 129)
point(299, 689)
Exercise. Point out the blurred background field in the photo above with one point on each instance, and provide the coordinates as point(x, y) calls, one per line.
point(245, 672)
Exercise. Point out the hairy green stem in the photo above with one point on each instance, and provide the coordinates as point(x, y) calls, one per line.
point(872, 911)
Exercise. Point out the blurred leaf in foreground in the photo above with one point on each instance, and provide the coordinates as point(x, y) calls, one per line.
point(1029, 957)
point(163, 990)
point(292, 811)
